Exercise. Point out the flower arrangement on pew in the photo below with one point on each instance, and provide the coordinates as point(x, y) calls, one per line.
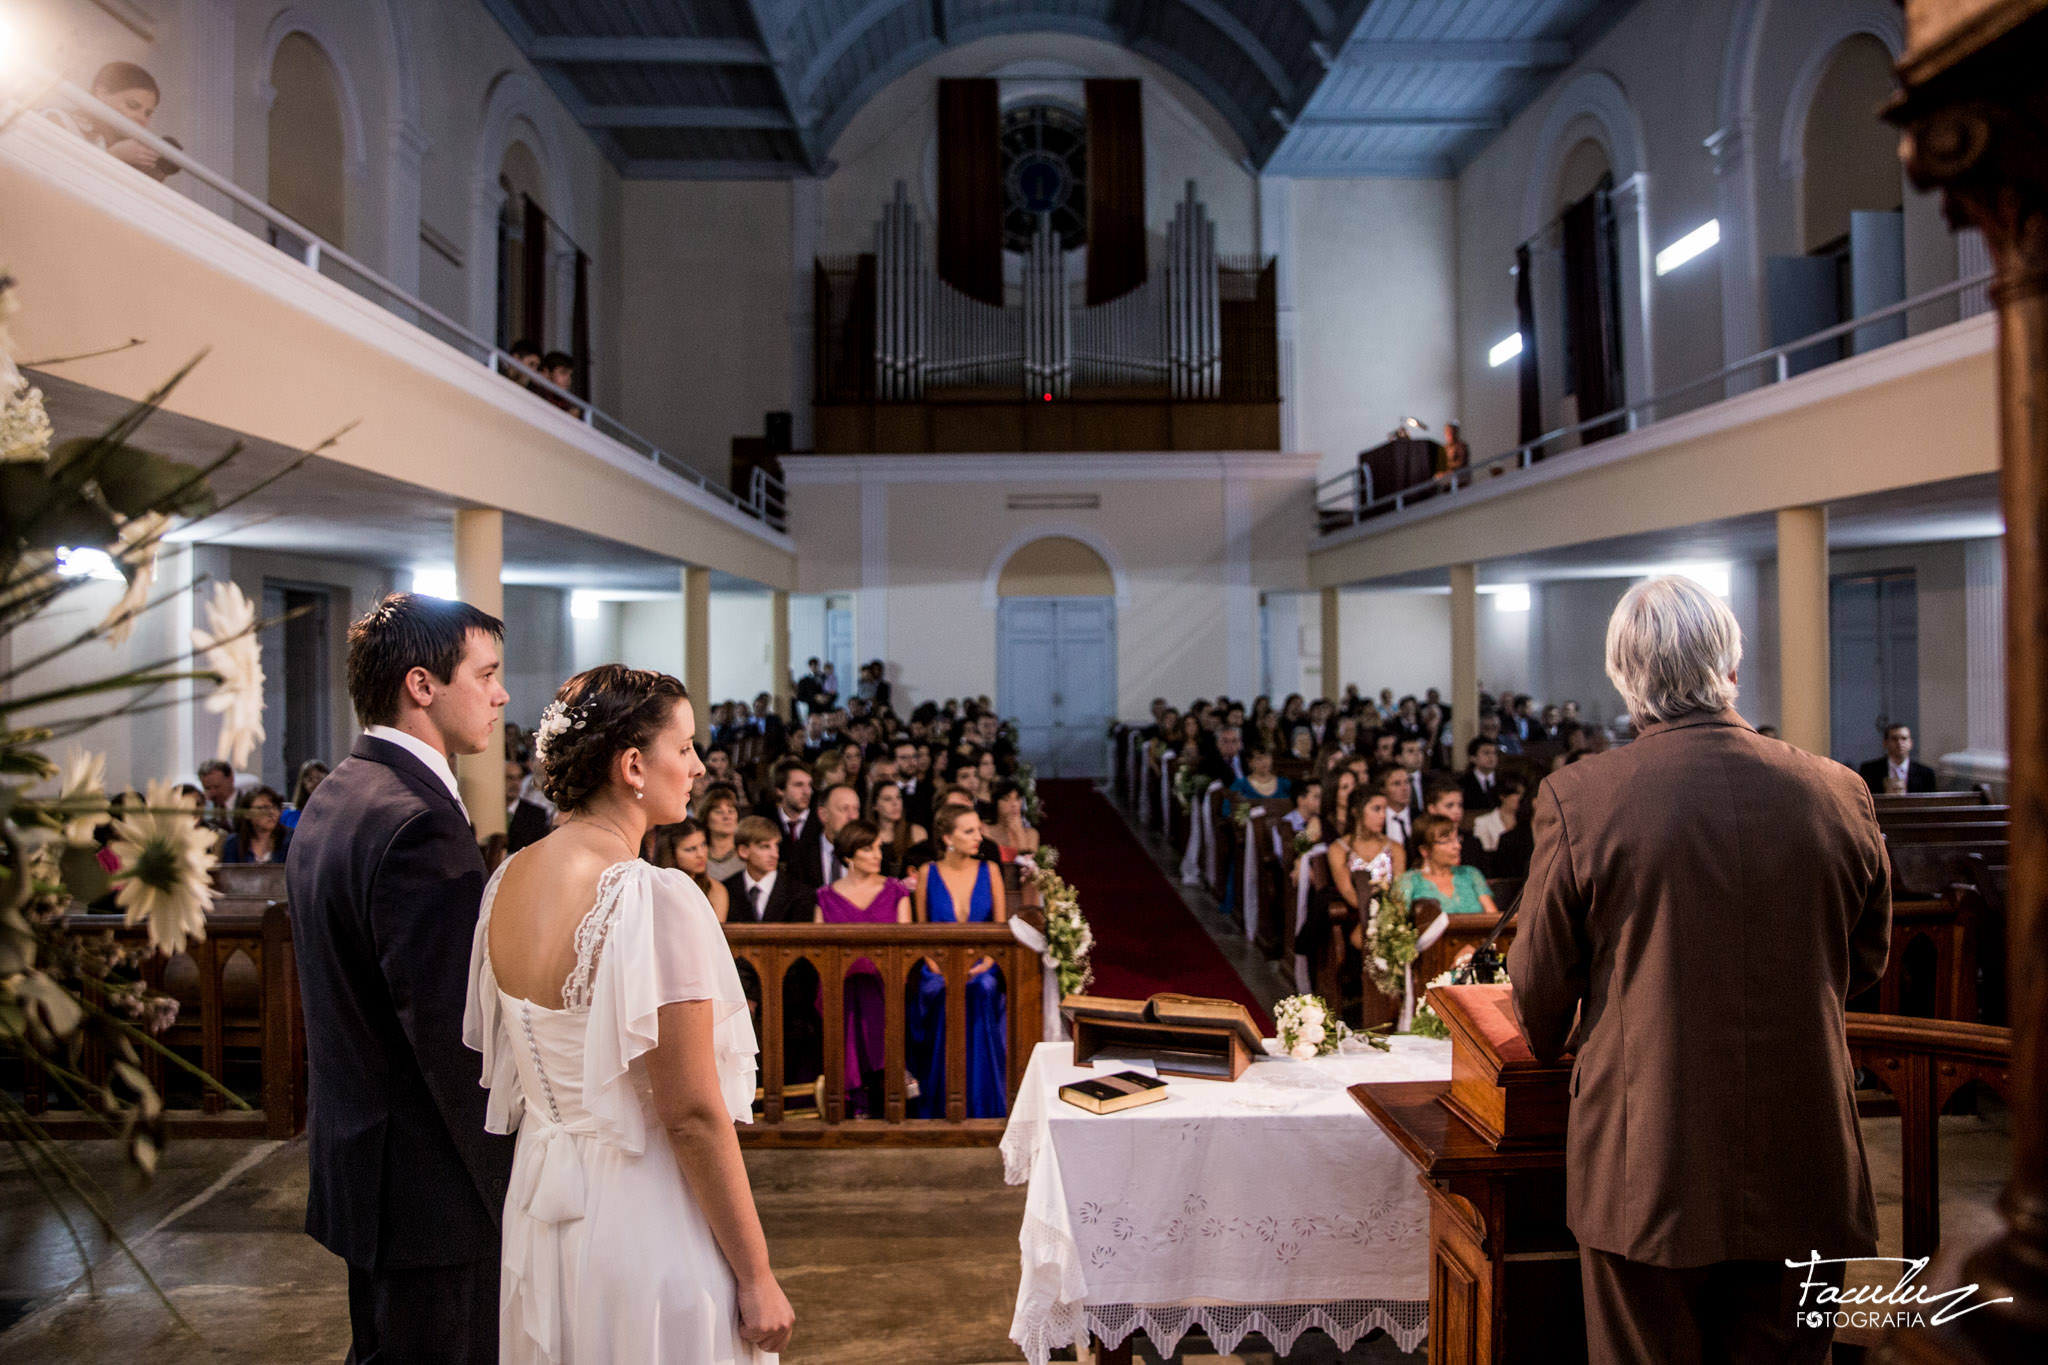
point(1068, 940)
point(1303, 842)
point(1190, 785)
point(72, 512)
point(1390, 940)
point(1026, 778)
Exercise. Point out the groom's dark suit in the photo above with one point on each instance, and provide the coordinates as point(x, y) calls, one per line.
point(385, 883)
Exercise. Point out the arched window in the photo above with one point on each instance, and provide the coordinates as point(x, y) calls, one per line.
point(307, 142)
point(522, 294)
point(1851, 222)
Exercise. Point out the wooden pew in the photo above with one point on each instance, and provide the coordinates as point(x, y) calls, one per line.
point(1924, 1063)
point(1979, 795)
point(772, 949)
point(1926, 871)
point(237, 989)
point(1931, 972)
point(1943, 815)
point(1948, 832)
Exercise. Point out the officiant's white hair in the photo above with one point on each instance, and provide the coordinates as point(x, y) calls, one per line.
point(1672, 649)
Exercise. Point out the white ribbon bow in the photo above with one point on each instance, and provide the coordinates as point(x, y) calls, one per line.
point(547, 1191)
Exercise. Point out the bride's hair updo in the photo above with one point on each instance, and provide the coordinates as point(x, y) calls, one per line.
point(596, 716)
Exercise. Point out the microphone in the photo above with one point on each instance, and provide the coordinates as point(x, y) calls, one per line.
point(1487, 961)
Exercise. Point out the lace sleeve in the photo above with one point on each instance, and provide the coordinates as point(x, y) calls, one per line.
point(662, 945)
point(482, 1028)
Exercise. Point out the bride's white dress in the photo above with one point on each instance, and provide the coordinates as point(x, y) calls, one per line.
point(606, 1254)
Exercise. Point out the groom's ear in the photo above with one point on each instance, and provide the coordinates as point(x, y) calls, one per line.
point(419, 687)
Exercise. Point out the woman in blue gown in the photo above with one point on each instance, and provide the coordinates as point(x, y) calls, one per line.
point(958, 874)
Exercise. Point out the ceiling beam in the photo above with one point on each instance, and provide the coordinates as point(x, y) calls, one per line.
point(653, 51)
point(711, 170)
point(1461, 121)
point(771, 21)
point(682, 116)
point(1520, 52)
point(1230, 26)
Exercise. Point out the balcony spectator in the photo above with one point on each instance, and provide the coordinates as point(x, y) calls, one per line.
point(522, 352)
point(559, 369)
point(131, 92)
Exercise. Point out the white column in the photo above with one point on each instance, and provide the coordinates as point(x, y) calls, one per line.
point(1276, 239)
point(1740, 263)
point(806, 231)
point(871, 615)
point(402, 206)
point(206, 30)
point(778, 652)
point(1986, 760)
point(1333, 658)
point(1464, 658)
point(479, 567)
point(697, 641)
point(1631, 200)
point(1240, 601)
point(1803, 699)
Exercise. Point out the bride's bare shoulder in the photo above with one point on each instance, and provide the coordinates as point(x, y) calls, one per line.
point(554, 871)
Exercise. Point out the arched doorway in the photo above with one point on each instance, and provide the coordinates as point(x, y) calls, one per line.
point(1056, 654)
point(308, 143)
point(1851, 197)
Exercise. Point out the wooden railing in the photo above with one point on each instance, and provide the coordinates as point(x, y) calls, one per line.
point(771, 950)
point(1924, 1063)
point(238, 989)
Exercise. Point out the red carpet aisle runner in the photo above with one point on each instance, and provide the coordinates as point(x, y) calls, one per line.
point(1146, 940)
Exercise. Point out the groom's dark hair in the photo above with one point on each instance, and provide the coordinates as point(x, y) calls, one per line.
point(406, 631)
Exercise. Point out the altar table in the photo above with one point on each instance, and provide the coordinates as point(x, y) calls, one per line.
point(1269, 1204)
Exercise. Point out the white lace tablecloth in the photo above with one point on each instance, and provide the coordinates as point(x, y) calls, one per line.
point(1269, 1204)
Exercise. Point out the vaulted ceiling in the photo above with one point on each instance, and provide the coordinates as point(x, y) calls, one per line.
point(749, 88)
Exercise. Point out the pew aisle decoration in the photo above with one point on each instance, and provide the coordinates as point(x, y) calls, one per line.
point(1026, 778)
point(1068, 940)
point(73, 513)
point(1391, 943)
point(1190, 785)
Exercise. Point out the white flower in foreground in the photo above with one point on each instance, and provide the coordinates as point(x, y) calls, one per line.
point(82, 792)
point(166, 861)
point(25, 432)
point(141, 539)
point(1302, 1052)
point(1311, 1033)
point(232, 653)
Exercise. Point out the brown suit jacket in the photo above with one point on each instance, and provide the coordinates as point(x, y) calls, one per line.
point(1706, 900)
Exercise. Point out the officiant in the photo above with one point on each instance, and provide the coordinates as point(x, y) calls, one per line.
point(1703, 901)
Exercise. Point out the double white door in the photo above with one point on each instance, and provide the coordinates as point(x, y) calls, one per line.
point(1056, 674)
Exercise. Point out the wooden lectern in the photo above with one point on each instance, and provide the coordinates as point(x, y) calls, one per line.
point(1489, 1147)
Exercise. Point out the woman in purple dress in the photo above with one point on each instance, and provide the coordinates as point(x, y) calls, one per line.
point(863, 896)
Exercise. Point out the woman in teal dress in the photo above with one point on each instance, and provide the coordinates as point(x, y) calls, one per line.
point(1440, 876)
point(960, 874)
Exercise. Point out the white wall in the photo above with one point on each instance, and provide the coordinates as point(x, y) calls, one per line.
point(1393, 637)
point(707, 313)
point(539, 649)
point(742, 630)
point(1376, 309)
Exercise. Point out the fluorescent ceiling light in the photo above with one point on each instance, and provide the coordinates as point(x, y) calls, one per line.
point(1689, 246)
point(583, 606)
point(1505, 350)
point(1712, 577)
point(1510, 596)
point(435, 583)
point(87, 562)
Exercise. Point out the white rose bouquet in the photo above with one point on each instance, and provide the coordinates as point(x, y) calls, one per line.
point(1308, 1027)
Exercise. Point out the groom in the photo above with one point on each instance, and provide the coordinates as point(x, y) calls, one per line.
point(385, 883)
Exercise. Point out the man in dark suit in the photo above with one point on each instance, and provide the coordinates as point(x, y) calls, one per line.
point(1896, 772)
point(385, 882)
point(1480, 782)
point(1225, 761)
point(916, 789)
point(791, 811)
point(767, 724)
point(765, 892)
point(526, 822)
point(1704, 901)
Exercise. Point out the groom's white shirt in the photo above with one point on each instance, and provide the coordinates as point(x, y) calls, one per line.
point(436, 761)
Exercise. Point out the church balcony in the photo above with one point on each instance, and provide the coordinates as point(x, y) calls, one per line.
point(1918, 412)
point(300, 340)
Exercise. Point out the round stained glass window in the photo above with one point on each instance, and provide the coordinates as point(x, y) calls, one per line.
point(1045, 170)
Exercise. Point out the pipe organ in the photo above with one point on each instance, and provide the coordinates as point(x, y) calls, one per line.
point(1164, 336)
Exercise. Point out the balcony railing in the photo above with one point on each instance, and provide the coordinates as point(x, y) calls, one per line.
point(1345, 500)
point(765, 498)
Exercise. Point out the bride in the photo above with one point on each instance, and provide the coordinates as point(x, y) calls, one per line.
point(616, 1042)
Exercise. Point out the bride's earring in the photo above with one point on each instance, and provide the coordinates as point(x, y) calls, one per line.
point(639, 795)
